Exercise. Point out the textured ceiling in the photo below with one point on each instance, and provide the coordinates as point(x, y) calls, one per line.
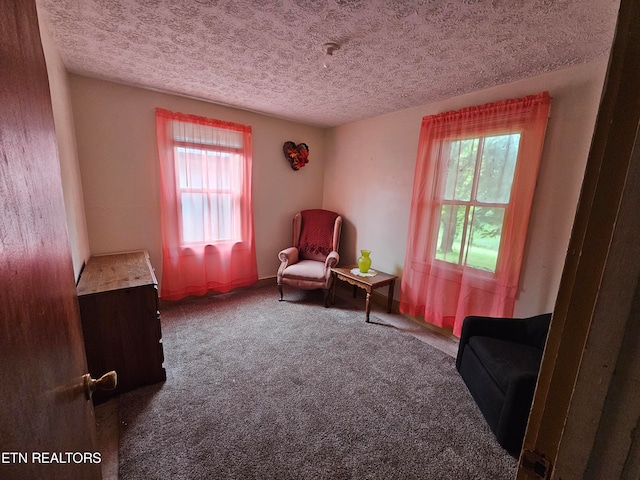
point(267, 56)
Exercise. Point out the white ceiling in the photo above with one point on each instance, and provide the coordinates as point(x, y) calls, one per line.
point(267, 56)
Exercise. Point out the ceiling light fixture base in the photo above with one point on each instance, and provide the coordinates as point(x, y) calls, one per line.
point(330, 47)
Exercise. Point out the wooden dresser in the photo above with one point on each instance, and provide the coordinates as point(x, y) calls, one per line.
point(118, 297)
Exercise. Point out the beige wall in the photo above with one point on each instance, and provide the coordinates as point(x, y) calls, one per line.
point(68, 155)
point(115, 128)
point(370, 164)
point(363, 170)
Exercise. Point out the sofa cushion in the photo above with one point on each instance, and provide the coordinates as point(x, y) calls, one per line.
point(506, 361)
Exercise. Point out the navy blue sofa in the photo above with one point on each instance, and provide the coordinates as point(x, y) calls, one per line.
point(499, 360)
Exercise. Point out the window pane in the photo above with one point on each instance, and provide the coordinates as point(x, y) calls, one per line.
point(190, 173)
point(181, 156)
point(192, 217)
point(498, 165)
point(219, 170)
point(221, 217)
point(484, 241)
point(461, 169)
point(450, 233)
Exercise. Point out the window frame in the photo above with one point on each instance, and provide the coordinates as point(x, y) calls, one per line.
point(439, 200)
point(234, 192)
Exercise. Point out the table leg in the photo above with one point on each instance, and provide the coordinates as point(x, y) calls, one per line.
point(333, 288)
point(390, 299)
point(367, 307)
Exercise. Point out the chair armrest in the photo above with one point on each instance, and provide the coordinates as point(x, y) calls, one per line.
point(289, 255)
point(331, 261)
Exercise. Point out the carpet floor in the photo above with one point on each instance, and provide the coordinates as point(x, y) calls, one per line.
point(261, 389)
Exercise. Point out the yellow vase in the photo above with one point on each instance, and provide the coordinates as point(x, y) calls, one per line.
point(364, 262)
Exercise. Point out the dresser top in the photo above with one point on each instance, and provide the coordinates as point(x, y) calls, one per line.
point(103, 273)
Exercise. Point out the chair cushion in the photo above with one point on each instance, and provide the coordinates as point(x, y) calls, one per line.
point(316, 234)
point(506, 361)
point(305, 270)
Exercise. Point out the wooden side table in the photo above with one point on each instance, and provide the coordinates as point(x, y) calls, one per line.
point(368, 284)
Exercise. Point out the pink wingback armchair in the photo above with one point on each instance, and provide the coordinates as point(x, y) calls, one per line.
point(307, 264)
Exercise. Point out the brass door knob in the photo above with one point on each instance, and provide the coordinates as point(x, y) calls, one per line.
point(108, 381)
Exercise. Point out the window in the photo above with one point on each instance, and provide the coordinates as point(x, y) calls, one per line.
point(209, 184)
point(476, 177)
point(473, 189)
point(205, 203)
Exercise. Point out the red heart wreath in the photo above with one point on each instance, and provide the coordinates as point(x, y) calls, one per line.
point(297, 155)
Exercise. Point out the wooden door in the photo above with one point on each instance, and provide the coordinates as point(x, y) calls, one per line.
point(47, 427)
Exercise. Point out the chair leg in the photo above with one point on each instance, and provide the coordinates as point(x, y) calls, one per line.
point(326, 297)
point(281, 294)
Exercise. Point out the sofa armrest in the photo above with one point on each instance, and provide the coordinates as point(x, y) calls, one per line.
point(515, 412)
point(537, 330)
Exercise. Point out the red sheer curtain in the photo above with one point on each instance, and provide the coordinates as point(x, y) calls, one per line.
point(207, 213)
point(444, 278)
